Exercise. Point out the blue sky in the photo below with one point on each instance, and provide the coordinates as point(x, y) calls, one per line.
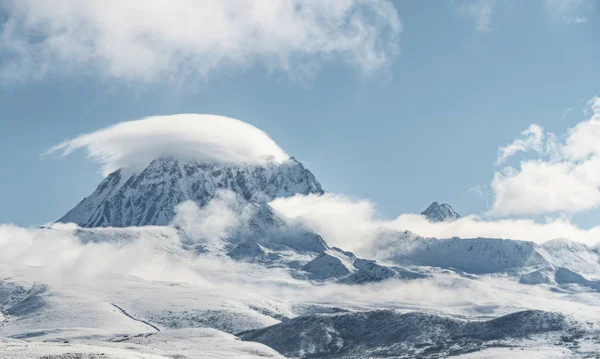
point(425, 126)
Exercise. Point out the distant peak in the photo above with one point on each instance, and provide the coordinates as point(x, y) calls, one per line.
point(440, 213)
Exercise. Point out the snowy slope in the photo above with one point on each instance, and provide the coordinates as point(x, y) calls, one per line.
point(150, 197)
point(371, 271)
point(185, 343)
point(332, 263)
point(165, 286)
point(346, 268)
point(576, 256)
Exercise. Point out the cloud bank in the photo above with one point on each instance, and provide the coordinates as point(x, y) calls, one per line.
point(565, 177)
point(207, 138)
point(176, 39)
point(354, 224)
point(62, 258)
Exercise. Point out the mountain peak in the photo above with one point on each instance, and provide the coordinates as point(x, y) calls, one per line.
point(150, 197)
point(440, 213)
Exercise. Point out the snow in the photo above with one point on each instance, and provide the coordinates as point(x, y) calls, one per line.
point(537, 352)
point(576, 256)
point(567, 276)
point(330, 264)
point(185, 293)
point(184, 343)
point(540, 276)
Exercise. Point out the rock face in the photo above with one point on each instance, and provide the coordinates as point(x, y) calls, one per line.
point(440, 213)
point(150, 197)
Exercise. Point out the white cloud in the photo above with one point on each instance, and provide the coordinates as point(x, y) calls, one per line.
point(208, 138)
point(564, 179)
point(354, 225)
point(480, 11)
point(178, 39)
point(211, 223)
point(341, 220)
point(531, 139)
point(517, 229)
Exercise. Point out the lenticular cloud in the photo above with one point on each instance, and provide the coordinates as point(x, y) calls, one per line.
point(207, 138)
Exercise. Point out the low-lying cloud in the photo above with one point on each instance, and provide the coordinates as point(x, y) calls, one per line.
point(211, 223)
point(354, 224)
point(62, 258)
point(205, 138)
point(135, 264)
point(177, 39)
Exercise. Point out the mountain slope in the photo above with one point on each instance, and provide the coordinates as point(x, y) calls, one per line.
point(150, 197)
point(389, 333)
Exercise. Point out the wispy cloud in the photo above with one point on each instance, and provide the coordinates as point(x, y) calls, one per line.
point(171, 40)
point(530, 140)
point(572, 11)
point(481, 11)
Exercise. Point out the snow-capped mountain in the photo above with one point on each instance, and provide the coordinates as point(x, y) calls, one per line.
point(150, 196)
point(440, 212)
